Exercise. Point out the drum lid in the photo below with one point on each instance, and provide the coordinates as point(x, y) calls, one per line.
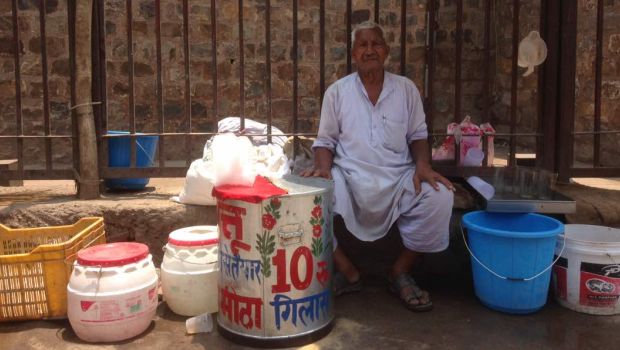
point(194, 236)
point(262, 189)
point(113, 254)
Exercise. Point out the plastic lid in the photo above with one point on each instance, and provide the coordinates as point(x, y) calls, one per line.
point(113, 254)
point(194, 236)
point(261, 190)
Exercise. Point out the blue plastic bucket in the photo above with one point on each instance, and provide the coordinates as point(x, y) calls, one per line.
point(119, 155)
point(511, 258)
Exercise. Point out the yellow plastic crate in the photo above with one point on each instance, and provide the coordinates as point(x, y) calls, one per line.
point(35, 266)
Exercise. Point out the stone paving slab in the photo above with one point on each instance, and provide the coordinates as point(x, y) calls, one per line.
point(372, 319)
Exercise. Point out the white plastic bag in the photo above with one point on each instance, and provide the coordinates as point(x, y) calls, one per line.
point(251, 129)
point(271, 161)
point(199, 324)
point(198, 184)
point(234, 160)
point(446, 149)
point(466, 134)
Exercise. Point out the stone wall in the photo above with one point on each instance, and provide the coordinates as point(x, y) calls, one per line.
point(309, 94)
point(610, 90)
point(57, 43)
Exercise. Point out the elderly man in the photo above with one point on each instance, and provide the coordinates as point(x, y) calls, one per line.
point(372, 142)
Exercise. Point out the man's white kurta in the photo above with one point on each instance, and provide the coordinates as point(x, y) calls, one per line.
point(372, 163)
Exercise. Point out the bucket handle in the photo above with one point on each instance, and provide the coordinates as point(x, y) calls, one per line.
point(145, 152)
point(173, 255)
point(511, 278)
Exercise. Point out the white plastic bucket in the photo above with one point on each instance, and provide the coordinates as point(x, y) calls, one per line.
point(586, 278)
point(189, 270)
point(112, 292)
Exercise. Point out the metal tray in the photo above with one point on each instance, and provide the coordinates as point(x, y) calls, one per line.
point(513, 203)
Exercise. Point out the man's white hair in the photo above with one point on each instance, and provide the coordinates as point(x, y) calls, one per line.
point(366, 25)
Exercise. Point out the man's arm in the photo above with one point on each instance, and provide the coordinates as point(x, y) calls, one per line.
point(420, 152)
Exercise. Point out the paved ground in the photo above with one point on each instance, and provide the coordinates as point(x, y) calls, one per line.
point(372, 319)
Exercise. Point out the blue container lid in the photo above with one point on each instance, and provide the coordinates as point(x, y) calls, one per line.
point(514, 225)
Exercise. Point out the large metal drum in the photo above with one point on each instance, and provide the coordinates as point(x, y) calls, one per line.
point(276, 263)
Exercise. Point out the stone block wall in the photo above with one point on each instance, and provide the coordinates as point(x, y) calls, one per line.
point(585, 82)
point(309, 94)
point(57, 46)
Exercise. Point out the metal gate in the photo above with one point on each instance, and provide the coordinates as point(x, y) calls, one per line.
point(451, 50)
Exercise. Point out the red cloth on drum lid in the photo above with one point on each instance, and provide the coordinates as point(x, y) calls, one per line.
point(261, 190)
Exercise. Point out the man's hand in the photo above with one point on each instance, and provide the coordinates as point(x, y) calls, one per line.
point(323, 160)
point(316, 172)
point(424, 172)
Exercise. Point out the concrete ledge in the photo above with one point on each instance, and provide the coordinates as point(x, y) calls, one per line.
point(145, 220)
point(9, 164)
point(149, 216)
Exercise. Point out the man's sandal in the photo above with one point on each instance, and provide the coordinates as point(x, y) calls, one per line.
point(406, 288)
point(340, 285)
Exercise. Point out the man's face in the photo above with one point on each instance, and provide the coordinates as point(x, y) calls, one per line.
point(369, 50)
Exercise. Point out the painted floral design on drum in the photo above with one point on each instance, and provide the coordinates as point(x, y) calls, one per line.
point(266, 243)
point(317, 221)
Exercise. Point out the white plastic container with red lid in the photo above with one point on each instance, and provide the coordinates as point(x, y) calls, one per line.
point(112, 292)
point(190, 270)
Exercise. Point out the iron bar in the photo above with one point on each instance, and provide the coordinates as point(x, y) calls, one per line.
point(22, 137)
point(486, 66)
point(348, 15)
point(57, 174)
point(429, 70)
point(512, 161)
point(132, 107)
point(600, 18)
point(115, 173)
point(46, 99)
point(100, 85)
point(268, 66)
point(295, 55)
point(322, 49)
point(539, 101)
point(487, 62)
point(160, 92)
point(596, 132)
point(457, 62)
point(457, 74)
point(403, 37)
point(214, 62)
point(241, 70)
point(193, 134)
point(566, 100)
point(187, 94)
point(19, 125)
point(533, 134)
point(72, 83)
point(376, 11)
point(551, 85)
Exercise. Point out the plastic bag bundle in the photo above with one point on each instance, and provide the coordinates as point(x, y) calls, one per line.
point(198, 184)
point(468, 136)
point(271, 161)
point(233, 160)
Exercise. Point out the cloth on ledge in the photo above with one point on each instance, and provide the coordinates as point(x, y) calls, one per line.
point(261, 190)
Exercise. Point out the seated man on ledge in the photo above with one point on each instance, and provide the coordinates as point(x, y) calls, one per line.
point(372, 141)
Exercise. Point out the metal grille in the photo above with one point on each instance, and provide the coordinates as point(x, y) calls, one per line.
point(447, 29)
